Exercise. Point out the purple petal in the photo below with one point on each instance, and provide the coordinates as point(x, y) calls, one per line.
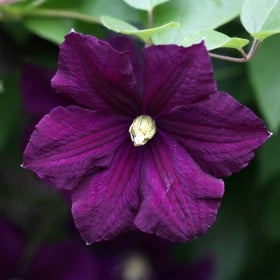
point(70, 143)
point(66, 260)
point(220, 133)
point(38, 95)
point(96, 75)
point(175, 76)
point(105, 204)
point(126, 44)
point(179, 200)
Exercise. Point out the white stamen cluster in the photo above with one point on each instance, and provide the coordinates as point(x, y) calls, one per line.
point(142, 129)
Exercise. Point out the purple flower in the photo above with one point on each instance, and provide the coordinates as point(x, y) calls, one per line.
point(65, 260)
point(141, 256)
point(141, 155)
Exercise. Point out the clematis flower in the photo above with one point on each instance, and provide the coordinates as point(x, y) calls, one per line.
point(39, 97)
point(141, 256)
point(134, 256)
point(141, 155)
point(66, 259)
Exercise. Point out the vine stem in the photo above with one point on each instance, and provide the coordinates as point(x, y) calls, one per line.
point(245, 56)
point(61, 14)
point(150, 24)
point(10, 12)
point(150, 18)
point(36, 3)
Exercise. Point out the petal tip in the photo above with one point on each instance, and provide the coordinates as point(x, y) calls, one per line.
point(72, 30)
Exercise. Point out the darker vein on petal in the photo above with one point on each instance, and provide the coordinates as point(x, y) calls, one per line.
point(117, 101)
point(119, 183)
point(161, 99)
point(158, 153)
point(73, 152)
point(198, 132)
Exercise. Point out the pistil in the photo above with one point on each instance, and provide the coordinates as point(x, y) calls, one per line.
point(142, 129)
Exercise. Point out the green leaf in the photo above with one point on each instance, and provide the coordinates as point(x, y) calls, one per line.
point(193, 16)
point(214, 39)
point(53, 19)
point(261, 18)
point(50, 29)
point(118, 25)
point(123, 27)
point(17, 31)
point(235, 43)
point(264, 72)
point(146, 5)
point(21, 7)
point(113, 8)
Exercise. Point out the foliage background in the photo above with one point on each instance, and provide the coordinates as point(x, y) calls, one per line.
point(244, 242)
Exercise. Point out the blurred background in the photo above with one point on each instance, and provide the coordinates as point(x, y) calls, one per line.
point(37, 237)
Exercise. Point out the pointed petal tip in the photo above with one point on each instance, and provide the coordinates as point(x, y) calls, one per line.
point(22, 166)
point(83, 74)
point(72, 30)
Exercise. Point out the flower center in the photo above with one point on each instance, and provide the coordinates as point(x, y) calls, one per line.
point(142, 129)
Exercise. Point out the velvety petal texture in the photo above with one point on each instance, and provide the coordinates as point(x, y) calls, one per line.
point(175, 75)
point(96, 75)
point(104, 205)
point(72, 142)
point(170, 185)
point(125, 44)
point(179, 200)
point(219, 133)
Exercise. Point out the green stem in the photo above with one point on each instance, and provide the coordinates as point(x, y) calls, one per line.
point(228, 58)
point(150, 24)
point(37, 3)
point(150, 18)
point(243, 53)
point(15, 13)
point(245, 57)
point(254, 48)
point(61, 14)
